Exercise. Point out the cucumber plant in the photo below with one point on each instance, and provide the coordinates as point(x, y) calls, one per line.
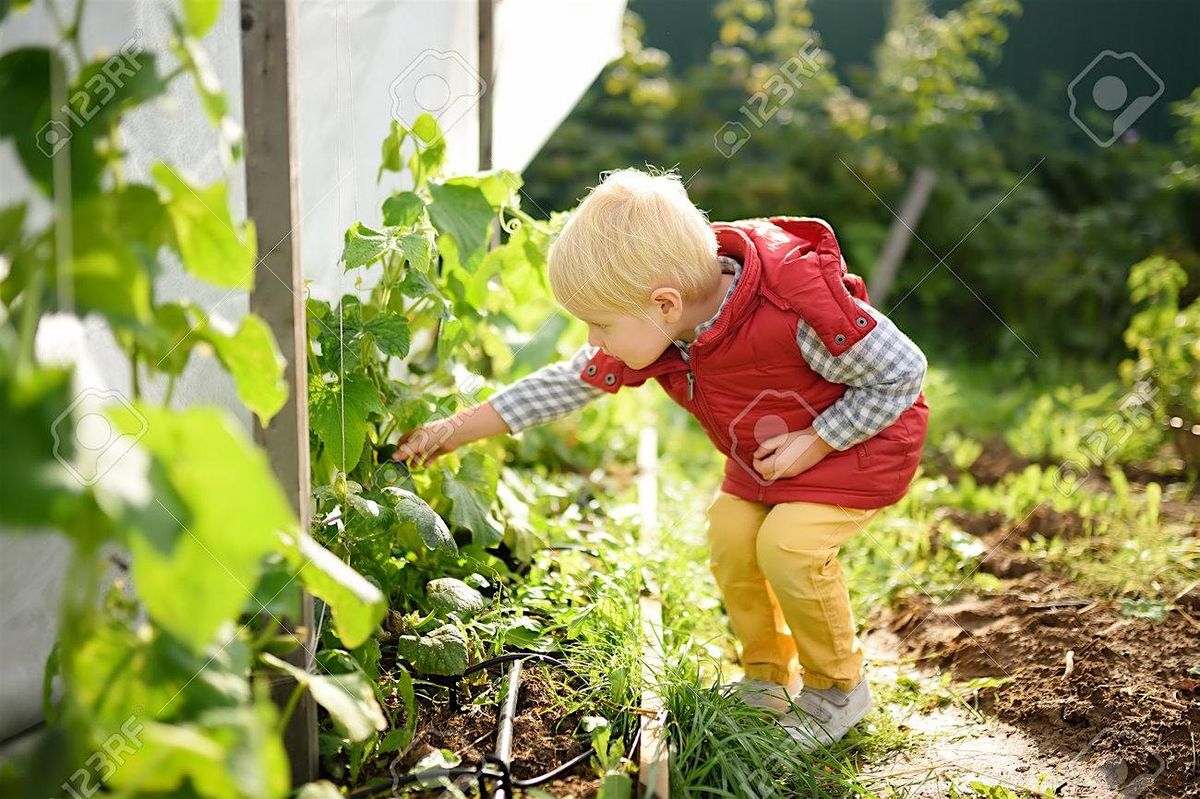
point(445, 288)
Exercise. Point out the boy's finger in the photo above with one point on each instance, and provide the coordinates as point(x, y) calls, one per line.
point(764, 450)
point(771, 444)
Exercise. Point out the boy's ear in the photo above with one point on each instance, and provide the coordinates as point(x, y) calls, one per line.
point(667, 299)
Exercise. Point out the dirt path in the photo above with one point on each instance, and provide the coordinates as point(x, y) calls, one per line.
point(1100, 700)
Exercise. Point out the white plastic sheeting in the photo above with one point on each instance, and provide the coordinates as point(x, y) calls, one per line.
point(376, 60)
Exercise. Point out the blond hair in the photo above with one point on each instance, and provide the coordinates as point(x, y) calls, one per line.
point(633, 233)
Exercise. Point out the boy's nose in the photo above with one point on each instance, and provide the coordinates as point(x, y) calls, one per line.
point(593, 339)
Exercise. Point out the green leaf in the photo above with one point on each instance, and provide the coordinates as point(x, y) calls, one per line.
point(112, 282)
point(120, 671)
point(390, 157)
point(256, 365)
point(12, 221)
point(357, 605)
point(210, 246)
point(36, 490)
point(416, 284)
point(167, 343)
point(391, 334)
point(397, 739)
point(402, 209)
point(232, 752)
point(464, 213)
point(450, 335)
point(24, 90)
point(470, 490)
point(348, 698)
point(426, 128)
point(417, 250)
point(499, 187)
point(338, 411)
point(430, 526)
point(443, 651)
point(363, 245)
point(115, 241)
point(451, 595)
point(25, 75)
point(106, 88)
point(200, 15)
point(199, 540)
point(532, 353)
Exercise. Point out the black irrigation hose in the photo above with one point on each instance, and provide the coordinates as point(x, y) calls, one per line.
point(496, 767)
point(504, 726)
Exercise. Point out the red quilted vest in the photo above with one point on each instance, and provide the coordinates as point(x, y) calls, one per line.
point(747, 380)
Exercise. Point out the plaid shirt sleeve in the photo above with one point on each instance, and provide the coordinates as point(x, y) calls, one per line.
point(883, 373)
point(549, 393)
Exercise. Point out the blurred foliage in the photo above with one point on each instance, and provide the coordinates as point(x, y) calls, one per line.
point(1037, 237)
point(1166, 338)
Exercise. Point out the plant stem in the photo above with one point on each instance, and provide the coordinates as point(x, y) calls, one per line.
point(29, 320)
point(290, 708)
point(133, 371)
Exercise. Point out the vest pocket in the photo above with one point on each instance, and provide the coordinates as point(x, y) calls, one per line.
point(864, 454)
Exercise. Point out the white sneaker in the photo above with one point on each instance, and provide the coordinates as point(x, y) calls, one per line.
point(825, 715)
point(773, 696)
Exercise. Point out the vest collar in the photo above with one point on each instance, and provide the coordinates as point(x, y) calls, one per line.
point(734, 242)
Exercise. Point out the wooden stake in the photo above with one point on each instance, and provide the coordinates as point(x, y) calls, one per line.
point(654, 774)
point(273, 202)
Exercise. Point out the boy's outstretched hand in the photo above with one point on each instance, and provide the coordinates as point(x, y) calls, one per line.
point(425, 444)
point(789, 454)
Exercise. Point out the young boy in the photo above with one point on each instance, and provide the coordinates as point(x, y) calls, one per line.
point(757, 329)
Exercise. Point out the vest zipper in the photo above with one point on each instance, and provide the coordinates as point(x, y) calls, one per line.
point(707, 417)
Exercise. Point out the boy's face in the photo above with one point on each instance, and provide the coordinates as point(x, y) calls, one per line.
point(636, 341)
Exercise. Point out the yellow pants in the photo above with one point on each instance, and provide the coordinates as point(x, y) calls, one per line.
point(787, 600)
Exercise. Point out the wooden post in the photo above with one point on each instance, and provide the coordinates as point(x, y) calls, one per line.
point(486, 10)
point(273, 202)
point(654, 774)
point(900, 235)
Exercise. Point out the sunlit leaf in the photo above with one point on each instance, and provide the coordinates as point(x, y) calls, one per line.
point(357, 605)
point(210, 245)
point(348, 698)
point(200, 15)
point(199, 540)
point(338, 411)
point(256, 365)
point(430, 526)
point(464, 213)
